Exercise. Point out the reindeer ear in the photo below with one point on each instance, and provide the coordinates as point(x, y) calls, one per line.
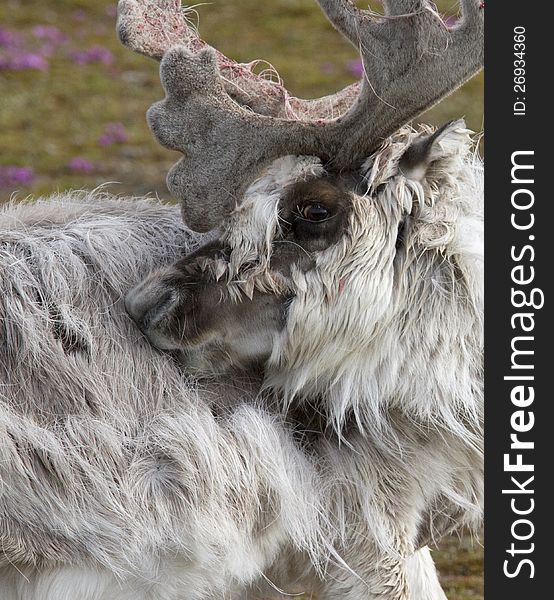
point(445, 143)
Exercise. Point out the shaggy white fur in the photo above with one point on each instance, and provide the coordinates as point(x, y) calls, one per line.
point(379, 359)
point(386, 343)
point(120, 477)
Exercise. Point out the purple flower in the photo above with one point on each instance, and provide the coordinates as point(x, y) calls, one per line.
point(23, 60)
point(105, 140)
point(96, 54)
point(114, 133)
point(99, 54)
point(9, 39)
point(81, 165)
point(355, 67)
point(11, 176)
point(50, 34)
point(111, 10)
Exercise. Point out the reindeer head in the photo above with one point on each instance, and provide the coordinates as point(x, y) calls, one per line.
point(347, 247)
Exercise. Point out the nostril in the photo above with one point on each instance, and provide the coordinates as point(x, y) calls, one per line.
point(160, 309)
point(147, 306)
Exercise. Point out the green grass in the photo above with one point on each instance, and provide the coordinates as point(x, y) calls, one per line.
point(48, 118)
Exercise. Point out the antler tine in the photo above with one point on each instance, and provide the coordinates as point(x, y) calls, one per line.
point(152, 27)
point(473, 11)
point(224, 145)
point(358, 25)
point(473, 23)
point(346, 17)
point(411, 60)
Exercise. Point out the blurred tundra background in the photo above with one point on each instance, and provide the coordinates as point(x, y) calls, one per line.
point(73, 102)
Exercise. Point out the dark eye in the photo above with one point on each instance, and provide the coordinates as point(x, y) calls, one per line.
point(222, 255)
point(315, 212)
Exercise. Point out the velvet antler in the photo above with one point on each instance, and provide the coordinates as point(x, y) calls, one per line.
point(230, 123)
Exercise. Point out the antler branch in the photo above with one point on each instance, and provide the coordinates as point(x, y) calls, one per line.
point(229, 126)
point(224, 145)
point(152, 27)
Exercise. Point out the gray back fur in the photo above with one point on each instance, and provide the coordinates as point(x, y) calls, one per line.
point(114, 466)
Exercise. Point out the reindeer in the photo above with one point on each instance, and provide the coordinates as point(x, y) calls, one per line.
point(123, 476)
point(353, 280)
